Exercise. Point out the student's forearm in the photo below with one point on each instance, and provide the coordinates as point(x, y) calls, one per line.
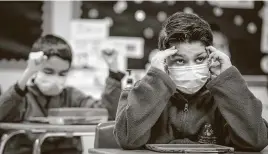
point(139, 109)
point(241, 110)
point(110, 96)
point(27, 74)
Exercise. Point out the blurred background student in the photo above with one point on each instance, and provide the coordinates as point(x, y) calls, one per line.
point(48, 66)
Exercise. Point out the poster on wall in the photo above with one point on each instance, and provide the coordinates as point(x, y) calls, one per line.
point(84, 33)
point(86, 36)
point(264, 39)
point(89, 38)
point(245, 4)
point(134, 46)
point(264, 34)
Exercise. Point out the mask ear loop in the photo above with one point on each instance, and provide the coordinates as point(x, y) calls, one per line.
point(208, 53)
point(166, 66)
point(209, 62)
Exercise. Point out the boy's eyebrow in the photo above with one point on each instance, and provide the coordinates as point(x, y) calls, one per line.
point(200, 54)
point(177, 55)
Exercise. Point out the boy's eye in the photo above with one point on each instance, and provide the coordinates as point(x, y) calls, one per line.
point(180, 61)
point(63, 74)
point(200, 59)
point(48, 71)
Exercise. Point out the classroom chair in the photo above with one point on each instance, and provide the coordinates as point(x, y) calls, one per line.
point(104, 137)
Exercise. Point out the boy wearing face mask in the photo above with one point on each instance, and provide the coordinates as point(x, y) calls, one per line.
point(48, 65)
point(191, 94)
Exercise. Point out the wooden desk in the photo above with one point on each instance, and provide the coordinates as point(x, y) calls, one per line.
point(44, 131)
point(40, 127)
point(120, 151)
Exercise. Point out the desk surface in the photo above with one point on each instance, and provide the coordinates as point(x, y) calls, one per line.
point(47, 127)
point(120, 151)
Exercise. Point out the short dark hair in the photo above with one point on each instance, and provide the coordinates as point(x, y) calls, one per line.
point(185, 27)
point(53, 45)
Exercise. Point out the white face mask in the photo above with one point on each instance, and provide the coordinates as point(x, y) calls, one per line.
point(49, 85)
point(189, 79)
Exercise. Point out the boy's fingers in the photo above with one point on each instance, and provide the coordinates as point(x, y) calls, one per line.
point(170, 52)
point(215, 64)
point(40, 60)
point(214, 56)
point(211, 56)
point(36, 55)
point(40, 54)
point(173, 47)
point(211, 49)
point(45, 57)
point(37, 61)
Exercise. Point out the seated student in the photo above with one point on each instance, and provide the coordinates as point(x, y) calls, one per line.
point(191, 94)
point(49, 70)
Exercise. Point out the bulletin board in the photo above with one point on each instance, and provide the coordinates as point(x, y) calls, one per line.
point(241, 21)
point(20, 26)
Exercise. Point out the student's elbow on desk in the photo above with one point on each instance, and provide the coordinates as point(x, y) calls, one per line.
point(130, 141)
point(126, 144)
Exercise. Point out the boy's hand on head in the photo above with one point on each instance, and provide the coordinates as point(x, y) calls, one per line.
point(159, 59)
point(218, 61)
point(110, 56)
point(36, 61)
